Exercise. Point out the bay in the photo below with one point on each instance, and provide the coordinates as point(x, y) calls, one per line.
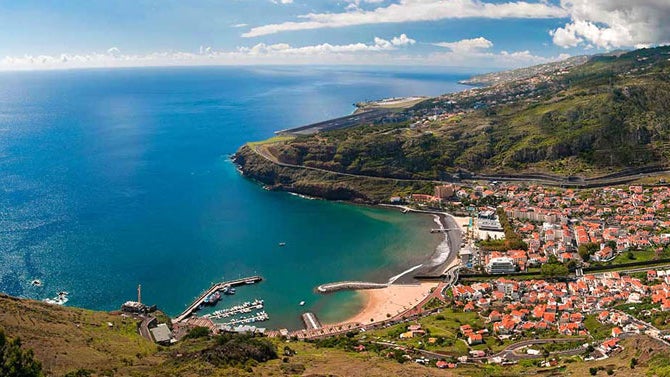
point(114, 178)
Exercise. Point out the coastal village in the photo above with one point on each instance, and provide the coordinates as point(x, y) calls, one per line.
point(498, 302)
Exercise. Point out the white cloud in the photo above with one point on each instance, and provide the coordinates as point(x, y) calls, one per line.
point(261, 53)
point(239, 25)
point(476, 52)
point(488, 59)
point(402, 40)
point(412, 11)
point(114, 51)
point(467, 45)
point(326, 48)
point(282, 1)
point(614, 23)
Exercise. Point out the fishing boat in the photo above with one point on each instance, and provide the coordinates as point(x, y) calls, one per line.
point(212, 299)
point(229, 291)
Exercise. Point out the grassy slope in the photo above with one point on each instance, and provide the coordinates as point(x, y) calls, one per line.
point(66, 339)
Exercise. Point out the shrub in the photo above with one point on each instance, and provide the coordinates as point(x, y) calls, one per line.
point(197, 332)
point(15, 361)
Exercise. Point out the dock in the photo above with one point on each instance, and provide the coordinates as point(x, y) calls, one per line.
point(311, 322)
point(215, 287)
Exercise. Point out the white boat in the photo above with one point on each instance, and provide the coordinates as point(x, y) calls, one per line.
point(282, 244)
point(60, 299)
point(302, 303)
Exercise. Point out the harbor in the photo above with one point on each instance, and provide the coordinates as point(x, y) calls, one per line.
point(260, 317)
point(246, 307)
point(206, 297)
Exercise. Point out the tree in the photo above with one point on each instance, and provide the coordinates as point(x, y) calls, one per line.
point(553, 270)
point(593, 371)
point(15, 361)
point(585, 250)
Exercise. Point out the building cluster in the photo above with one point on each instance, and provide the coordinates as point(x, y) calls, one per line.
point(516, 308)
point(556, 222)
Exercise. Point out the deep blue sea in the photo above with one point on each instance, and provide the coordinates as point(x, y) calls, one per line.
point(114, 178)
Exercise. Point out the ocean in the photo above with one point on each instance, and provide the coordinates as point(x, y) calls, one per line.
point(114, 178)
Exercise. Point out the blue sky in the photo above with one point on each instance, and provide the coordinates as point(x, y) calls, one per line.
point(479, 34)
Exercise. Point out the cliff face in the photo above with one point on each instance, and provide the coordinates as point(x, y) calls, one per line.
point(320, 184)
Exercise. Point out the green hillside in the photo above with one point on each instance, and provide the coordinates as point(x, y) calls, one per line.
point(610, 113)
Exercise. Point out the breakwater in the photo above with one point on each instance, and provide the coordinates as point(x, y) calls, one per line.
point(348, 285)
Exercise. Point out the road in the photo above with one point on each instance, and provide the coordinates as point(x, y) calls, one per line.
point(507, 353)
point(555, 181)
point(144, 328)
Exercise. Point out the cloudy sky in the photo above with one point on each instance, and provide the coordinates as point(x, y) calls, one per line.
point(472, 34)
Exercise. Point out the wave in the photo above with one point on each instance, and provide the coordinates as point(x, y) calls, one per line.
point(394, 278)
point(303, 196)
point(443, 249)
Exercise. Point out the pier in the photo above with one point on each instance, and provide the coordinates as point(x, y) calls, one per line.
point(216, 287)
point(311, 322)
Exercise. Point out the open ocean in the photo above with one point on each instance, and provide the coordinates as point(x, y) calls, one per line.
point(114, 178)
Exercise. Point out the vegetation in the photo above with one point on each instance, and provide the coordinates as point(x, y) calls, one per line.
point(197, 332)
point(16, 361)
point(553, 268)
point(585, 250)
point(648, 312)
point(598, 330)
point(608, 114)
point(238, 349)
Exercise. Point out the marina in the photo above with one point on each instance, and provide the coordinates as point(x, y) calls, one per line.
point(246, 307)
point(227, 287)
point(260, 317)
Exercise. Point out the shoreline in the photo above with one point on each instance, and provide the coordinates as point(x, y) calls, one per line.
point(382, 304)
point(385, 303)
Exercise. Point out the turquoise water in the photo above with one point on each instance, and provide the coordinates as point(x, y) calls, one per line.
point(109, 179)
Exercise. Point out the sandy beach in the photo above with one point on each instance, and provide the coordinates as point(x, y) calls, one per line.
point(383, 303)
point(392, 300)
point(462, 221)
